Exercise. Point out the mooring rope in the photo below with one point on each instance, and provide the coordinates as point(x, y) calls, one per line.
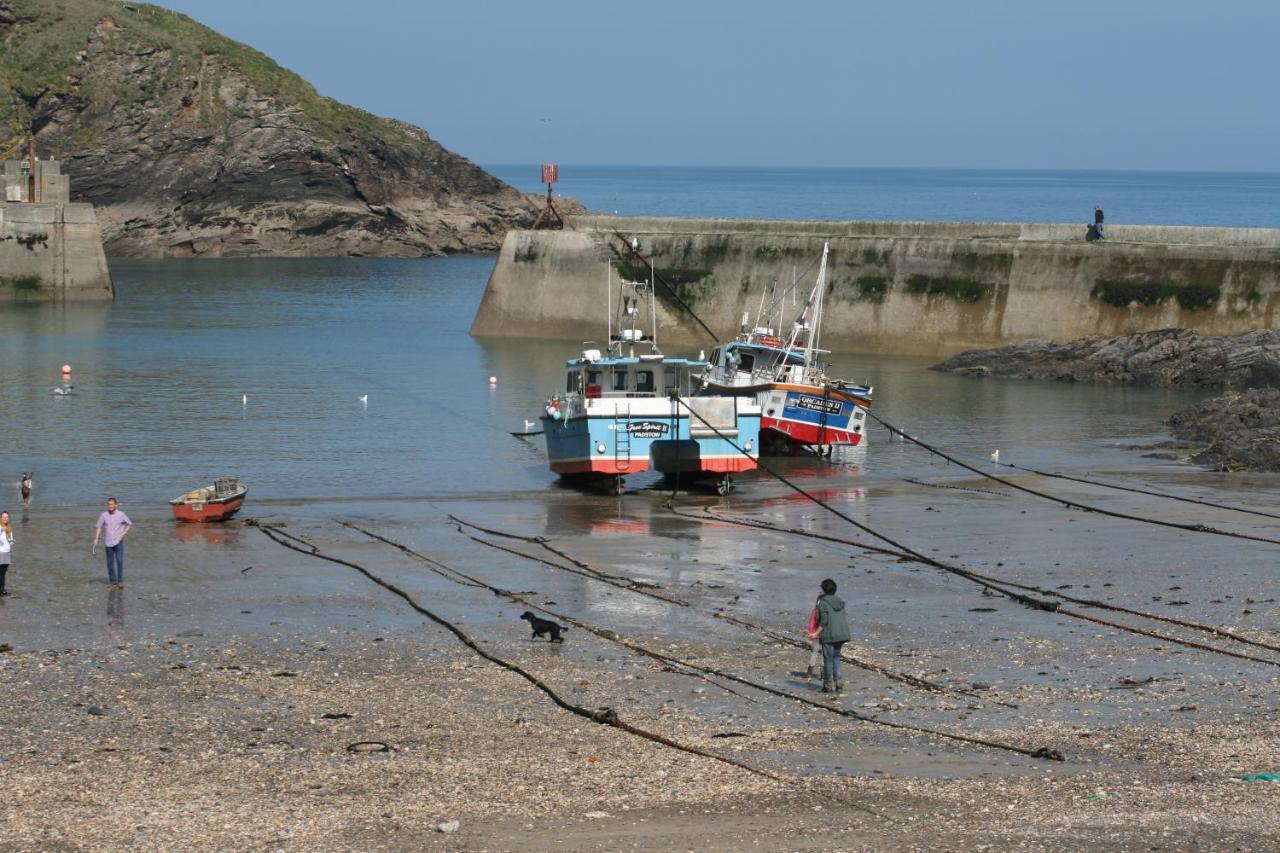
point(604, 716)
point(1151, 492)
point(983, 580)
point(1088, 602)
point(1038, 752)
point(1067, 502)
point(892, 675)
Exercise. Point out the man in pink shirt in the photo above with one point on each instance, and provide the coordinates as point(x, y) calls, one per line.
point(112, 526)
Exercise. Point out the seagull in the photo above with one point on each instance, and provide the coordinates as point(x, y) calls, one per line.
point(529, 425)
point(364, 398)
point(62, 392)
point(995, 456)
point(244, 399)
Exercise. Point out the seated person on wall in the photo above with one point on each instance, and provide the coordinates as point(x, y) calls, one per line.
point(1091, 234)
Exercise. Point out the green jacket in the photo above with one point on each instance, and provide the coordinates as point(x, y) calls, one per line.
point(831, 618)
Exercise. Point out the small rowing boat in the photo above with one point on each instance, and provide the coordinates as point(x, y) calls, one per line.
point(217, 502)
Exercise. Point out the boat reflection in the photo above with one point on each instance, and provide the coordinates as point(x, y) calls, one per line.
point(213, 534)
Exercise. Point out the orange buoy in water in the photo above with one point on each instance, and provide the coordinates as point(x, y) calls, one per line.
point(493, 380)
point(66, 370)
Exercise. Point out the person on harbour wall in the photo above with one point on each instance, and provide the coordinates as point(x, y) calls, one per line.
point(1097, 222)
point(833, 630)
point(112, 526)
point(6, 544)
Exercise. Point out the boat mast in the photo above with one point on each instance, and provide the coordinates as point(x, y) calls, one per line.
point(815, 325)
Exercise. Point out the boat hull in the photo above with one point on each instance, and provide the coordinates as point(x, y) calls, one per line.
point(203, 512)
point(617, 443)
point(811, 417)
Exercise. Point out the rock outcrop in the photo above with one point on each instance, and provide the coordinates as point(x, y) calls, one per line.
point(1240, 430)
point(189, 143)
point(1169, 357)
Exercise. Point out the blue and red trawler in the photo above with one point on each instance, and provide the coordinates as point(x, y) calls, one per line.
point(632, 409)
point(802, 407)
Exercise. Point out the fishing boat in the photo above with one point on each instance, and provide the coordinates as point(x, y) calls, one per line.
point(803, 408)
point(631, 409)
point(217, 502)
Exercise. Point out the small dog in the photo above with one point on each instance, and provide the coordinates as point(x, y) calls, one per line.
point(26, 486)
point(544, 626)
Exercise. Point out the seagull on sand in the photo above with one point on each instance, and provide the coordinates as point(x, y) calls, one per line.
point(995, 456)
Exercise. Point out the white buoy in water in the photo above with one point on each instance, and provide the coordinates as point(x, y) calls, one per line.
point(995, 456)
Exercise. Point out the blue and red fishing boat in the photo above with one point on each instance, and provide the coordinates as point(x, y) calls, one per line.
point(631, 409)
point(802, 407)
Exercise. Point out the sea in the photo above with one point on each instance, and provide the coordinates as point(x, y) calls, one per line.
point(322, 379)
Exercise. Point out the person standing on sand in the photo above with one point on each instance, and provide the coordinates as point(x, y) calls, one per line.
point(115, 524)
point(833, 630)
point(6, 542)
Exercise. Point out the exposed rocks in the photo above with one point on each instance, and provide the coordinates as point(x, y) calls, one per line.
point(1168, 357)
point(1240, 428)
point(192, 144)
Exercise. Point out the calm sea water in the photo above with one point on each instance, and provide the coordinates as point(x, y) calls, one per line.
point(159, 377)
point(1146, 198)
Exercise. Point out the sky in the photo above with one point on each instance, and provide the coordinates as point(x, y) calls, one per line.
point(1025, 84)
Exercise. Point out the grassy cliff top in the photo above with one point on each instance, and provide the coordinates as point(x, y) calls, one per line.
point(41, 60)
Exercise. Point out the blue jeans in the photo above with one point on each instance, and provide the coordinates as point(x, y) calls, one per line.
point(115, 563)
point(831, 661)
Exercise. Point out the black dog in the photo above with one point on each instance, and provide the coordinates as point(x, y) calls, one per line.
point(544, 626)
point(26, 486)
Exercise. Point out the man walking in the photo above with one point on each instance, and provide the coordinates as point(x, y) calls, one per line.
point(1097, 222)
point(833, 631)
point(114, 524)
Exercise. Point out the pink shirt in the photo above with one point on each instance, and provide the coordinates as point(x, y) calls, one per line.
point(112, 525)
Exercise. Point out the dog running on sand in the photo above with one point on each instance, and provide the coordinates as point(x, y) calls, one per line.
point(544, 626)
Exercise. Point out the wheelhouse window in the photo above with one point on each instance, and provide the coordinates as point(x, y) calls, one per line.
point(669, 382)
point(571, 382)
point(644, 381)
point(619, 380)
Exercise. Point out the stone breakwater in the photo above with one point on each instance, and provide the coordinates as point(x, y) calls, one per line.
point(52, 251)
point(917, 288)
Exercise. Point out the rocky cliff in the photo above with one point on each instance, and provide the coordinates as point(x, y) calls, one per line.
point(190, 143)
point(1169, 357)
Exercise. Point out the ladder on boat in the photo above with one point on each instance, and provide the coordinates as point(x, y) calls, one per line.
point(622, 439)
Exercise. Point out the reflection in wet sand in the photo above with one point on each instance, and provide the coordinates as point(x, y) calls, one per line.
point(213, 534)
point(115, 615)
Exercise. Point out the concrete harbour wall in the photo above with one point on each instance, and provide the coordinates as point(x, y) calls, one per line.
point(52, 251)
point(919, 288)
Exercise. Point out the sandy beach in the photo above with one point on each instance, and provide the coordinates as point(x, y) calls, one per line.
point(218, 700)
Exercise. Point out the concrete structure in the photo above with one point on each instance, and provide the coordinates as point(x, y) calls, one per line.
point(920, 288)
point(50, 248)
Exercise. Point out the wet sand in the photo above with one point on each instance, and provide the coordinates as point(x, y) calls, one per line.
point(191, 706)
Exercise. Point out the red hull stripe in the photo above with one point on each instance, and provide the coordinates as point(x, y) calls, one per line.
point(810, 433)
point(610, 467)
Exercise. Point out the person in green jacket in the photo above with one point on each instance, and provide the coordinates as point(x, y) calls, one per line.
point(833, 631)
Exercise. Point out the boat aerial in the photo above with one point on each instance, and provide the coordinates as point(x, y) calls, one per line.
point(631, 409)
point(217, 502)
point(802, 407)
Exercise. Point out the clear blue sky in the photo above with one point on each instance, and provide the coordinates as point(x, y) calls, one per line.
point(1150, 84)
